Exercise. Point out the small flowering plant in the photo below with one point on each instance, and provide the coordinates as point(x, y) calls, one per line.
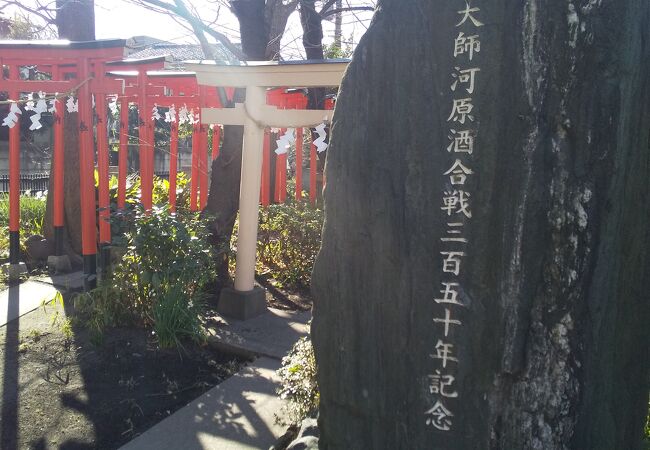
point(299, 386)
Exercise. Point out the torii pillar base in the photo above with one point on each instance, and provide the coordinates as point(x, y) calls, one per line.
point(59, 264)
point(15, 271)
point(242, 305)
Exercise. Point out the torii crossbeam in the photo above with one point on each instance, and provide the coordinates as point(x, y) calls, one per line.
point(245, 301)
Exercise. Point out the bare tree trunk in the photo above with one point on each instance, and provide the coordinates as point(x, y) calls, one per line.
point(338, 25)
point(312, 40)
point(71, 239)
point(534, 333)
point(259, 22)
point(75, 20)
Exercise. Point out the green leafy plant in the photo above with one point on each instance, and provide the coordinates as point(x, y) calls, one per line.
point(298, 383)
point(165, 261)
point(32, 213)
point(175, 317)
point(289, 239)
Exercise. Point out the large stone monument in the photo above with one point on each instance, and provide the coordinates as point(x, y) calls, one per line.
point(483, 280)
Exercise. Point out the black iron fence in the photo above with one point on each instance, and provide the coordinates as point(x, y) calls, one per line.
point(32, 182)
point(37, 182)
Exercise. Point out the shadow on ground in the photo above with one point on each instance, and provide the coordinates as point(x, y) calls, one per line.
point(62, 391)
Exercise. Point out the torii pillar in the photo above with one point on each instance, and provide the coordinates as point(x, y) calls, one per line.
point(246, 300)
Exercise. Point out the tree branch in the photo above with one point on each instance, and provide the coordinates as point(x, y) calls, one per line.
point(196, 24)
point(327, 6)
point(42, 12)
point(332, 12)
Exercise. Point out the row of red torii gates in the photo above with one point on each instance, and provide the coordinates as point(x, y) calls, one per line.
point(95, 72)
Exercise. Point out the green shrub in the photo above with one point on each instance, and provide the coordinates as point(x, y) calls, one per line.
point(289, 239)
point(165, 261)
point(176, 317)
point(159, 194)
point(299, 386)
point(32, 213)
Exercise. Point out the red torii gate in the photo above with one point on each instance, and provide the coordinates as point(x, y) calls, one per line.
point(79, 67)
point(166, 89)
point(71, 65)
point(96, 68)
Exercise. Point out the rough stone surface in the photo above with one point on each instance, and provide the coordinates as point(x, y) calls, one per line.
point(553, 344)
point(59, 264)
point(304, 443)
point(242, 305)
point(38, 248)
point(15, 271)
point(309, 427)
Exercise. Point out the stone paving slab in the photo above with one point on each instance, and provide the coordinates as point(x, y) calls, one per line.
point(22, 298)
point(238, 414)
point(68, 281)
point(271, 334)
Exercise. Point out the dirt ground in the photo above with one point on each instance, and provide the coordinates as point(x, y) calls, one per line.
point(62, 391)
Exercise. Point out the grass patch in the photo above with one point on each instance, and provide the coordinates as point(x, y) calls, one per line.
point(32, 214)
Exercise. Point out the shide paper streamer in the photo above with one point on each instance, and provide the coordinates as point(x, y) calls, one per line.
point(320, 143)
point(12, 118)
point(285, 141)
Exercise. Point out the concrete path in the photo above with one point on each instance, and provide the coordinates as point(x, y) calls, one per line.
point(19, 299)
point(22, 298)
point(271, 334)
point(240, 412)
point(237, 414)
point(66, 282)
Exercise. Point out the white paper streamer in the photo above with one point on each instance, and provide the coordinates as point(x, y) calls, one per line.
point(155, 114)
point(12, 118)
point(72, 105)
point(182, 115)
point(112, 106)
point(320, 143)
point(170, 116)
point(53, 104)
point(285, 141)
point(39, 108)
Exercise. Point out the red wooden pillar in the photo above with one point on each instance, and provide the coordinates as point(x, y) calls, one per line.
point(102, 168)
point(173, 165)
point(203, 166)
point(216, 141)
point(123, 156)
point(104, 194)
point(266, 170)
point(58, 220)
point(14, 178)
point(150, 155)
point(146, 173)
point(299, 137)
point(194, 177)
point(312, 172)
point(87, 179)
point(281, 165)
point(281, 174)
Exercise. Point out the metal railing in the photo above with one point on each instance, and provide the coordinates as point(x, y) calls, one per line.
point(38, 182)
point(32, 182)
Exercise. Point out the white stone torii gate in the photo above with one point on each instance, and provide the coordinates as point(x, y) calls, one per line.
point(246, 301)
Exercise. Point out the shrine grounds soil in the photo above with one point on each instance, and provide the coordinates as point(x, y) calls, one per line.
point(75, 394)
